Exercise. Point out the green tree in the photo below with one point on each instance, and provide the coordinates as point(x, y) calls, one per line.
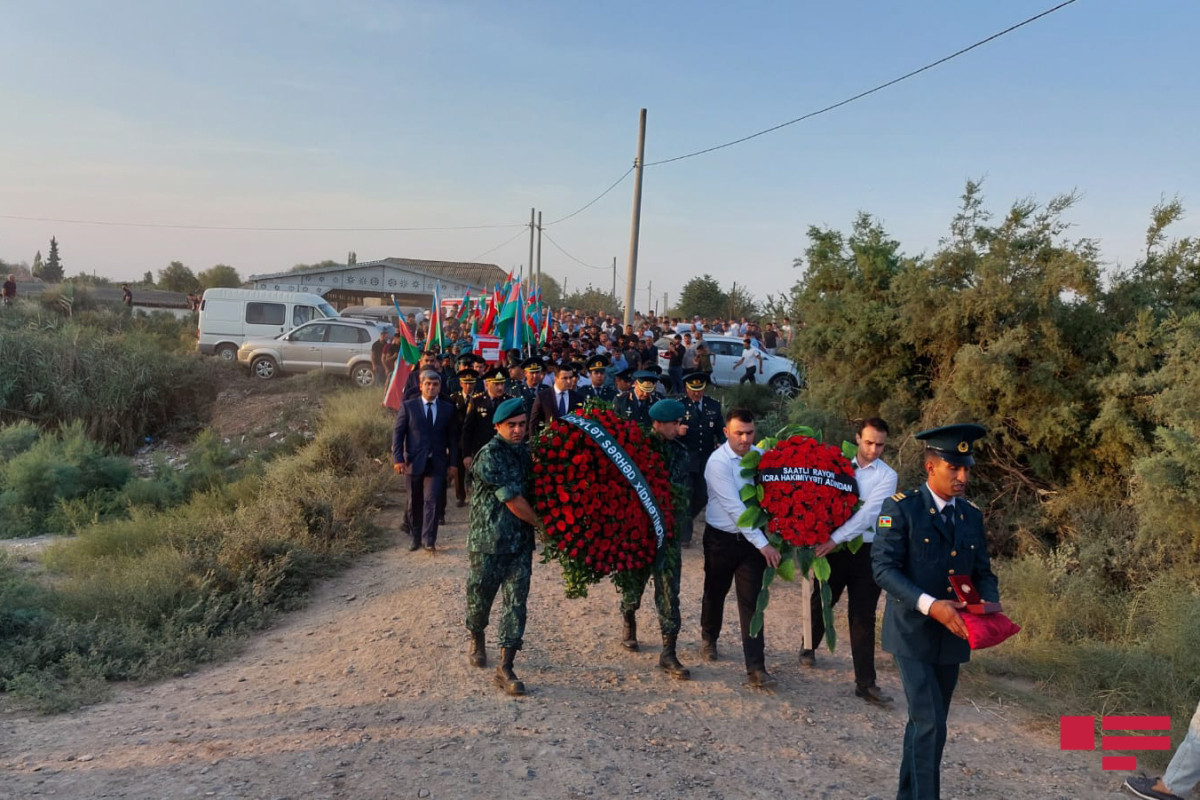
point(551, 291)
point(38, 265)
point(740, 303)
point(148, 279)
point(219, 276)
point(177, 278)
point(52, 270)
point(702, 296)
point(593, 301)
point(320, 264)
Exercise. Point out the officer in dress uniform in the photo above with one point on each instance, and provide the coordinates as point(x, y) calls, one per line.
point(636, 404)
point(623, 381)
point(467, 380)
point(528, 391)
point(596, 387)
point(924, 539)
point(477, 426)
point(667, 426)
point(705, 433)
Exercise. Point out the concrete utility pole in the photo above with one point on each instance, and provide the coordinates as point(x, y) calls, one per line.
point(649, 296)
point(635, 229)
point(531, 227)
point(539, 252)
point(614, 291)
point(664, 302)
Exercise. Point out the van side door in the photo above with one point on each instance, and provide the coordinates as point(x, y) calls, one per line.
point(265, 319)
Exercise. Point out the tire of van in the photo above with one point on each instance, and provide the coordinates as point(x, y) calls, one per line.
point(264, 367)
point(227, 352)
point(362, 375)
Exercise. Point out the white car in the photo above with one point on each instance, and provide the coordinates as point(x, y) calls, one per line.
point(777, 372)
point(340, 346)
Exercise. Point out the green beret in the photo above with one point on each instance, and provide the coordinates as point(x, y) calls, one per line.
point(667, 410)
point(953, 443)
point(510, 408)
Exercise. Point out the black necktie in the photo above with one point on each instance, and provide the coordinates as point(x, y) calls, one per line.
point(948, 516)
point(429, 413)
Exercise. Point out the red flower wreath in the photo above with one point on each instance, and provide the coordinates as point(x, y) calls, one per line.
point(594, 523)
point(807, 512)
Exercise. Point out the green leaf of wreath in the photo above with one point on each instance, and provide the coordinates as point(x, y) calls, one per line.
point(787, 569)
point(821, 569)
point(849, 449)
point(804, 558)
point(760, 492)
point(855, 544)
point(746, 492)
point(827, 615)
point(764, 596)
point(748, 517)
point(751, 459)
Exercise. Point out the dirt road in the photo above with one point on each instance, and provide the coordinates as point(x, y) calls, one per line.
point(367, 694)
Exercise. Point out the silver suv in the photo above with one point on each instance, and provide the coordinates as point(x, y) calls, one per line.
point(778, 372)
point(341, 346)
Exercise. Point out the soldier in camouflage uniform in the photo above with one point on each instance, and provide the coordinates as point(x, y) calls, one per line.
point(666, 417)
point(596, 387)
point(705, 433)
point(636, 404)
point(500, 541)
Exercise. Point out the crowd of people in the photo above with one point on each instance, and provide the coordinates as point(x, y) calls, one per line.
point(467, 423)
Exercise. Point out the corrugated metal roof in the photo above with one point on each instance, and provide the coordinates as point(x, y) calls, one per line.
point(472, 274)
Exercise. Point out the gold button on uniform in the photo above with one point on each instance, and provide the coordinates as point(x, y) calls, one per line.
point(926, 541)
point(951, 572)
point(953, 552)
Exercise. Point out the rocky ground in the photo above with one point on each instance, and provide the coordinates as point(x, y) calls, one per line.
point(367, 694)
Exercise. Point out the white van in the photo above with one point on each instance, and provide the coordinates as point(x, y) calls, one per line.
point(229, 316)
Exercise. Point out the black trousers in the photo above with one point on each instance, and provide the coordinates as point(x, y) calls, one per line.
point(749, 376)
point(730, 559)
point(424, 493)
point(852, 572)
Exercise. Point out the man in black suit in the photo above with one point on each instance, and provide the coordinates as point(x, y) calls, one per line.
point(559, 399)
point(424, 447)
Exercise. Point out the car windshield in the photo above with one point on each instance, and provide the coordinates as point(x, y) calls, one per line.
point(327, 310)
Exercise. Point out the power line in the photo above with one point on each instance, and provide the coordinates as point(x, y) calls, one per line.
point(568, 255)
point(110, 223)
point(871, 91)
point(591, 202)
point(514, 237)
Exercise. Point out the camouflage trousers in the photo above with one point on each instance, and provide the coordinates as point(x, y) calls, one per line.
point(666, 593)
point(509, 574)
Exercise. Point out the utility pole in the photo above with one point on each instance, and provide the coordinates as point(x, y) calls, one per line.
point(531, 227)
point(649, 301)
point(664, 302)
point(539, 251)
point(614, 291)
point(635, 228)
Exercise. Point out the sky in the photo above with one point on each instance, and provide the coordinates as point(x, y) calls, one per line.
point(394, 114)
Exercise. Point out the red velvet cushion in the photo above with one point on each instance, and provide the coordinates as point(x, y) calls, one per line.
point(988, 630)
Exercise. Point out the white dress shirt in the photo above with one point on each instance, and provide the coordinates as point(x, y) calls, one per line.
point(876, 483)
point(926, 600)
point(723, 474)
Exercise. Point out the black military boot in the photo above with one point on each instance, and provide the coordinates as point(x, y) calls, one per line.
point(669, 662)
point(477, 655)
point(629, 642)
point(506, 679)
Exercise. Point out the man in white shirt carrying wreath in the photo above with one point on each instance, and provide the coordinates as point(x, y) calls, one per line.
point(733, 554)
point(852, 571)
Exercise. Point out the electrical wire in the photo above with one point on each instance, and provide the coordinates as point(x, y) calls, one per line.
point(514, 237)
point(591, 202)
point(568, 255)
point(109, 223)
point(871, 91)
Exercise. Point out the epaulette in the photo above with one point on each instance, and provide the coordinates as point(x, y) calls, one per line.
point(972, 505)
point(898, 496)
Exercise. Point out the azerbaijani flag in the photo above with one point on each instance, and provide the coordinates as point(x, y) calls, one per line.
point(464, 310)
point(435, 332)
point(409, 355)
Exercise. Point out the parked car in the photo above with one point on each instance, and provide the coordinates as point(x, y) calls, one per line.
point(229, 317)
point(778, 372)
point(339, 346)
